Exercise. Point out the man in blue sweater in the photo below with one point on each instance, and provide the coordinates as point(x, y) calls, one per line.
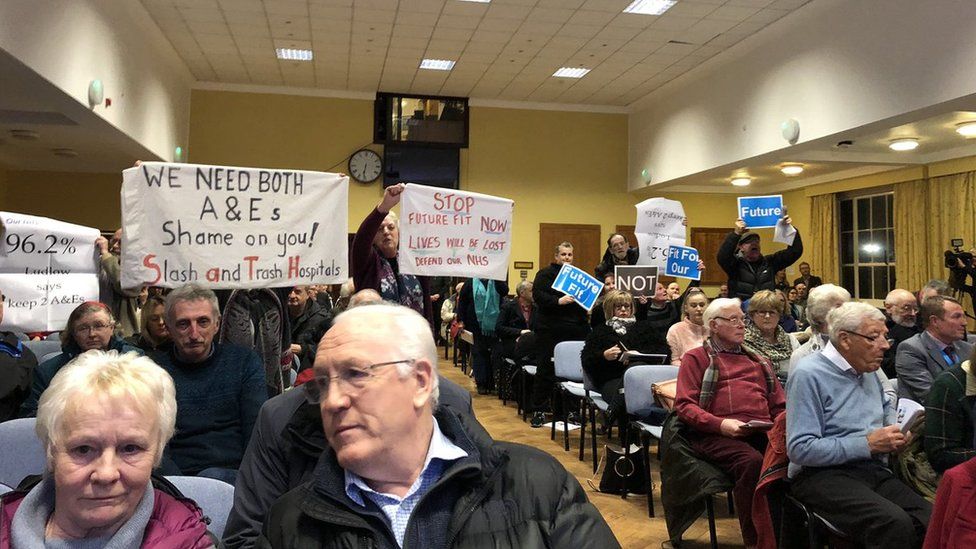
point(838, 437)
point(219, 389)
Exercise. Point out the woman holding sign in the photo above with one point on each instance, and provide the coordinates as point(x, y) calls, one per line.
point(90, 326)
point(374, 257)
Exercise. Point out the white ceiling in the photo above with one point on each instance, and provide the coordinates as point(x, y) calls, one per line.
point(505, 50)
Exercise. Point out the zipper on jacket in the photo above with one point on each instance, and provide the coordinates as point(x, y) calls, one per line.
point(477, 499)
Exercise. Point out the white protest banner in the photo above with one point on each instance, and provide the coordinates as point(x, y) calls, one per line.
point(445, 232)
point(47, 268)
point(660, 224)
point(225, 227)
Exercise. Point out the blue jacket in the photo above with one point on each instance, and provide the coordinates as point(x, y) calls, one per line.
point(44, 373)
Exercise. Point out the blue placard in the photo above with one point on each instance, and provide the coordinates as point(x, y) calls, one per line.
point(761, 211)
point(683, 262)
point(579, 284)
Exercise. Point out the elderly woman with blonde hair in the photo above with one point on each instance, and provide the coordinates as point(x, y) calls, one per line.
point(104, 422)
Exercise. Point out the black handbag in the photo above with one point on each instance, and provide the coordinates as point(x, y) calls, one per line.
point(622, 472)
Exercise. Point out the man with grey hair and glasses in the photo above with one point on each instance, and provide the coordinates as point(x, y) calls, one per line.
point(839, 435)
point(402, 472)
point(901, 312)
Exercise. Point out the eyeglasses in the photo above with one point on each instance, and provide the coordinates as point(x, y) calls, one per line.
point(766, 314)
point(97, 327)
point(350, 380)
point(908, 308)
point(873, 339)
point(732, 320)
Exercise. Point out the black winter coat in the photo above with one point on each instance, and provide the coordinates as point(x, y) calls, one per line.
point(606, 264)
point(307, 330)
point(640, 337)
point(747, 278)
point(501, 495)
point(17, 364)
point(554, 317)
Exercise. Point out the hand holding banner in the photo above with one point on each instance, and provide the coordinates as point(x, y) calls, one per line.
point(47, 268)
point(761, 212)
point(445, 232)
point(224, 227)
point(683, 262)
point(576, 282)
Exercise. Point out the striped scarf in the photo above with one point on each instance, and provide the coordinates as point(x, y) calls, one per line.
point(711, 376)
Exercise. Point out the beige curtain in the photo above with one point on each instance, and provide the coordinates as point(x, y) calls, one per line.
point(929, 213)
point(822, 242)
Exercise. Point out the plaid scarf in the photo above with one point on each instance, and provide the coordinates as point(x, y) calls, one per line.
point(710, 377)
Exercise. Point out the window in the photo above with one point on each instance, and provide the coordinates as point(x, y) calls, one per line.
point(867, 245)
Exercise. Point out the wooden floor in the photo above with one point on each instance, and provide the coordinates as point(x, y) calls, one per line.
point(628, 518)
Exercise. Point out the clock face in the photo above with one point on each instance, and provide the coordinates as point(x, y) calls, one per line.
point(365, 165)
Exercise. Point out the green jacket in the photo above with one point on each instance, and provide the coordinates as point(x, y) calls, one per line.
point(949, 418)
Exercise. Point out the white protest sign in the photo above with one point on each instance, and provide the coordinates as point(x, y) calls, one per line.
point(445, 232)
point(47, 268)
point(225, 227)
point(660, 225)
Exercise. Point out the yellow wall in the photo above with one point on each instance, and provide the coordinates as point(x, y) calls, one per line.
point(90, 199)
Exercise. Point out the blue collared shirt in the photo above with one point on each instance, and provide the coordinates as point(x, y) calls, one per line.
point(441, 453)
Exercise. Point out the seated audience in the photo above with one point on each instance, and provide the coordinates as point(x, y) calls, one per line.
point(822, 300)
point(901, 312)
point(597, 318)
point(322, 296)
point(800, 303)
point(807, 279)
point(765, 336)
point(103, 421)
point(780, 282)
point(934, 287)
point(398, 466)
point(219, 388)
point(346, 289)
point(374, 257)
point(124, 303)
point(447, 312)
point(949, 417)
point(786, 319)
point(838, 436)
point(661, 312)
point(723, 291)
point(605, 357)
point(941, 344)
point(749, 271)
point(722, 386)
point(17, 364)
point(690, 332)
point(618, 252)
point(283, 450)
point(153, 334)
point(515, 319)
point(951, 526)
point(308, 321)
point(90, 326)
point(480, 301)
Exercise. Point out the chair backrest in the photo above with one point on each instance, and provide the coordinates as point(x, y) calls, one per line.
point(567, 361)
point(215, 497)
point(4, 489)
point(43, 347)
point(637, 385)
point(21, 452)
point(47, 357)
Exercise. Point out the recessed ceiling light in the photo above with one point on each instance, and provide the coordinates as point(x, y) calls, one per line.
point(650, 7)
point(290, 54)
point(966, 129)
point(907, 144)
point(65, 152)
point(24, 135)
point(741, 181)
point(478, 1)
point(437, 64)
point(792, 169)
point(571, 72)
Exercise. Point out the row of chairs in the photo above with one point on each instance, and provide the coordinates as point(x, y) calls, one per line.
point(22, 455)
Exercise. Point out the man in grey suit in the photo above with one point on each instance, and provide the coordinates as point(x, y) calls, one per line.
point(941, 344)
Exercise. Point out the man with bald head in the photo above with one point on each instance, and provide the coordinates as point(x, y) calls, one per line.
point(901, 319)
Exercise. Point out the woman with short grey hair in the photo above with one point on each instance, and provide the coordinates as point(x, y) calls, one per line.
point(104, 422)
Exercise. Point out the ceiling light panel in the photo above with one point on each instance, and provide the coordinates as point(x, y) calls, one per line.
point(571, 72)
point(437, 64)
point(649, 7)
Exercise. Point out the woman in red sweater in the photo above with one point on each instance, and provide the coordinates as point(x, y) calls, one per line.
point(728, 396)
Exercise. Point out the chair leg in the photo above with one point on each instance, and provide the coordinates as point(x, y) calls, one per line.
point(556, 392)
point(645, 447)
point(624, 433)
point(565, 428)
point(731, 504)
point(710, 511)
point(582, 445)
point(593, 411)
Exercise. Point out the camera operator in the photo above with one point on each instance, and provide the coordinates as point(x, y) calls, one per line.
point(961, 265)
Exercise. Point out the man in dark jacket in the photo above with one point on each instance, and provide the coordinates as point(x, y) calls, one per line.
point(309, 322)
point(618, 253)
point(901, 319)
point(560, 319)
point(17, 364)
point(397, 474)
point(281, 455)
point(740, 256)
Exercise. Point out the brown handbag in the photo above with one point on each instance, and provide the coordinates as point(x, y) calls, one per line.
point(665, 392)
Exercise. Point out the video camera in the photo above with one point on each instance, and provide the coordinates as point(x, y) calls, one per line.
point(953, 256)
